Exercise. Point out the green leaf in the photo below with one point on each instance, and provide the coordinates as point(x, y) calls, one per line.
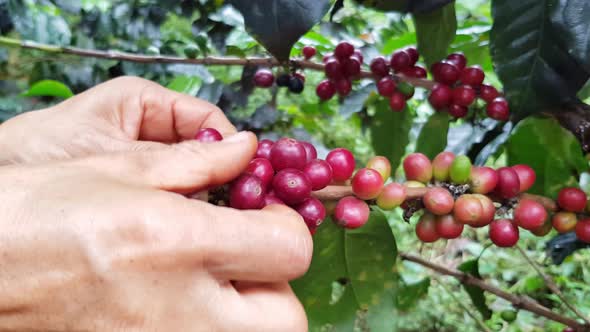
point(189, 85)
point(278, 24)
point(49, 88)
point(553, 152)
point(389, 132)
point(435, 31)
point(433, 136)
point(475, 293)
point(409, 294)
point(362, 262)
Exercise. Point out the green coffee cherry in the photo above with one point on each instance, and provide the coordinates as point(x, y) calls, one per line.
point(509, 316)
point(153, 50)
point(191, 51)
point(460, 171)
point(406, 89)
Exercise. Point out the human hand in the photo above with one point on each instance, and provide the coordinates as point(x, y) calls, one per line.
point(124, 114)
point(104, 243)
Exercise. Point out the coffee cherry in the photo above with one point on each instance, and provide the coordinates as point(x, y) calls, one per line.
point(544, 229)
point(327, 57)
point(509, 316)
point(264, 147)
point(503, 233)
point(438, 201)
point(343, 87)
point(270, 200)
point(468, 210)
point(417, 167)
point(397, 102)
point(319, 173)
point(472, 76)
point(488, 211)
point(440, 96)
point(414, 184)
point(572, 199)
point(261, 168)
point(333, 69)
point(288, 153)
point(351, 212)
point(447, 227)
point(460, 170)
point(406, 89)
point(357, 54)
point(463, 95)
point(413, 53)
point(310, 152)
point(381, 165)
point(446, 73)
point(308, 52)
point(568, 329)
point(296, 84)
point(583, 230)
point(367, 184)
point(458, 111)
point(191, 51)
point(488, 93)
point(416, 71)
point(526, 176)
point(379, 67)
point(483, 180)
point(529, 214)
point(498, 109)
point(342, 163)
point(208, 135)
point(508, 183)
point(264, 78)
point(392, 196)
point(564, 222)
point(325, 90)
point(247, 193)
point(343, 50)
point(458, 59)
point(426, 228)
point(283, 80)
point(312, 211)
point(291, 186)
point(441, 166)
point(351, 67)
point(400, 60)
point(386, 86)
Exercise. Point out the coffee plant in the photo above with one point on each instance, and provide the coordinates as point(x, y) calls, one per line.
point(435, 149)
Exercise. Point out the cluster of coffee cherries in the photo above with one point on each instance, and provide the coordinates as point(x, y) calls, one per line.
point(341, 68)
point(573, 207)
point(295, 81)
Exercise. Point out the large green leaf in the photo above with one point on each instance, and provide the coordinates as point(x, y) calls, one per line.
point(351, 274)
point(433, 136)
point(553, 152)
point(49, 88)
point(389, 132)
point(435, 31)
point(571, 18)
point(409, 294)
point(278, 24)
point(531, 59)
point(475, 293)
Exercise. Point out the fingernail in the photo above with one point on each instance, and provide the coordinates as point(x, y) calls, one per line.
point(237, 138)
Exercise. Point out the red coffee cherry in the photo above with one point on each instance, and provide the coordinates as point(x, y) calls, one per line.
point(572, 199)
point(503, 233)
point(325, 90)
point(426, 228)
point(333, 69)
point(417, 167)
point(310, 151)
point(386, 86)
point(392, 196)
point(415, 71)
point(526, 176)
point(472, 75)
point(381, 165)
point(351, 67)
point(441, 165)
point(319, 173)
point(564, 222)
point(440, 96)
point(468, 210)
point(343, 87)
point(458, 59)
point(308, 52)
point(358, 55)
point(261, 168)
point(447, 227)
point(498, 109)
point(463, 95)
point(483, 179)
point(343, 50)
point(208, 135)
point(446, 73)
point(438, 201)
point(264, 147)
point(413, 53)
point(288, 153)
point(488, 211)
point(458, 111)
point(342, 163)
point(379, 67)
point(367, 184)
point(270, 200)
point(246, 193)
point(397, 102)
point(351, 212)
point(291, 186)
point(529, 214)
point(312, 211)
point(583, 230)
point(264, 78)
point(508, 182)
point(488, 93)
point(400, 60)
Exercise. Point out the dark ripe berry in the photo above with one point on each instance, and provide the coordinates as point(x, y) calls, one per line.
point(463, 95)
point(381, 165)
point(342, 163)
point(300, 76)
point(333, 69)
point(288, 153)
point(208, 135)
point(488, 93)
point(468, 210)
point(264, 78)
point(572, 199)
point(397, 102)
point(426, 228)
point(296, 84)
point(446, 73)
point(406, 89)
point(308, 52)
point(379, 67)
point(261, 168)
point(271, 199)
point(264, 147)
point(503, 233)
point(319, 173)
point(392, 196)
point(440, 96)
point(367, 184)
point(413, 53)
point(417, 167)
point(310, 151)
point(483, 179)
point(526, 176)
point(544, 229)
point(488, 211)
point(508, 183)
point(498, 109)
point(351, 212)
point(400, 60)
point(564, 222)
point(283, 80)
point(458, 59)
point(327, 57)
point(343, 87)
point(358, 55)
point(386, 86)
point(447, 227)
point(312, 211)
point(529, 214)
point(351, 67)
point(438, 201)
point(246, 193)
point(343, 50)
point(441, 164)
point(325, 90)
point(291, 186)
point(472, 75)
point(416, 71)
point(583, 230)
point(434, 68)
point(458, 111)
point(460, 170)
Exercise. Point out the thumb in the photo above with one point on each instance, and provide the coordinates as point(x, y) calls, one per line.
point(184, 167)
